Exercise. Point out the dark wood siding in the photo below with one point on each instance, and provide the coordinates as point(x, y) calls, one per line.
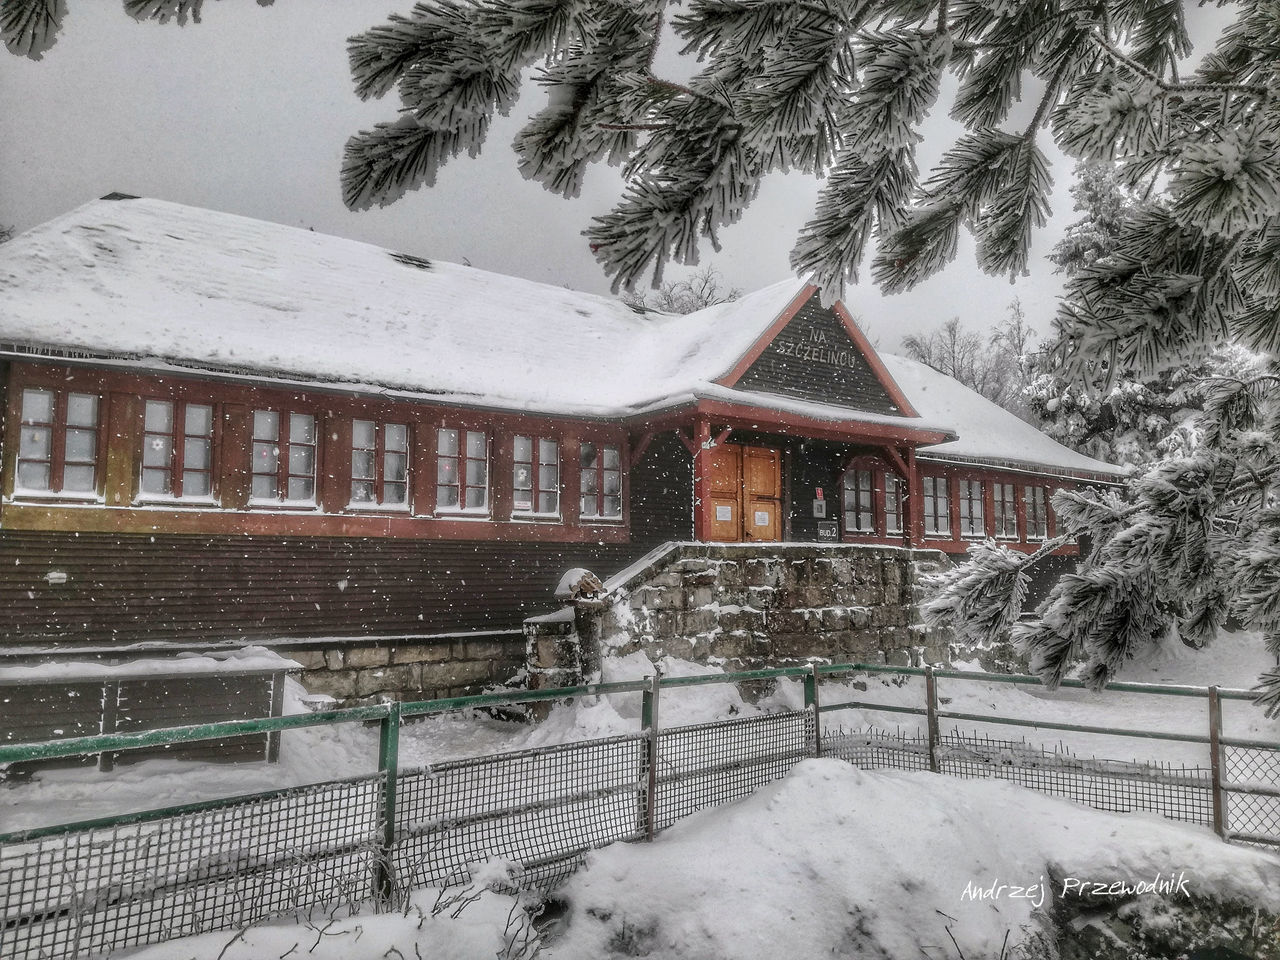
point(198, 588)
point(813, 358)
point(813, 466)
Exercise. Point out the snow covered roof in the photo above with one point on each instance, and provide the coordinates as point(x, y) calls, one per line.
point(167, 284)
point(986, 431)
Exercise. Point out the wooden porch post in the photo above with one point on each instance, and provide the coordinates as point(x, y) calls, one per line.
point(702, 482)
point(915, 501)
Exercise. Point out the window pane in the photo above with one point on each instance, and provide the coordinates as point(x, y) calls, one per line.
point(302, 460)
point(548, 502)
point(548, 476)
point(612, 482)
point(393, 493)
point(447, 443)
point(587, 455)
point(78, 479)
point(195, 454)
point(521, 478)
point(81, 445)
point(199, 420)
point(362, 434)
point(302, 428)
point(362, 491)
point(548, 452)
point(156, 481)
point(265, 457)
point(396, 437)
point(37, 406)
point(612, 506)
point(302, 489)
point(446, 471)
point(195, 484)
point(362, 464)
point(477, 444)
point(477, 473)
point(589, 482)
point(159, 416)
point(477, 498)
point(523, 450)
point(446, 497)
point(82, 410)
point(393, 467)
point(155, 452)
point(33, 476)
point(612, 459)
point(36, 443)
point(266, 425)
point(264, 487)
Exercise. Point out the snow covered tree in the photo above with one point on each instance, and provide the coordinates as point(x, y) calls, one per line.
point(704, 288)
point(6, 233)
point(31, 27)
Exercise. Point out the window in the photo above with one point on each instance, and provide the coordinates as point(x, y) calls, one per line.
point(937, 507)
point(535, 478)
point(859, 514)
point(462, 470)
point(1037, 516)
point(284, 457)
point(892, 503)
point(379, 464)
point(971, 520)
point(177, 450)
point(1006, 511)
point(601, 476)
point(58, 443)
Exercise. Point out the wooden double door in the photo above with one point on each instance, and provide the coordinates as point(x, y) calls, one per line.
point(745, 488)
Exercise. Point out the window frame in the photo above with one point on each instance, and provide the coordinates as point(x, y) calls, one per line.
point(600, 471)
point(58, 428)
point(929, 486)
point(177, 467)
point(967, 500)
point(461, 458)
point(283, 472)
point(860, 509)
point(379, 478)
point(535, 465)
point(1001, 517)
point(1037, 521)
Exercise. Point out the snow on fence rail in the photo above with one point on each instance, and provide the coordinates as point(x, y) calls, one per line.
point(85, 889)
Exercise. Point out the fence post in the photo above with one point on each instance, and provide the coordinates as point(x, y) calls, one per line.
point(110, 711)
point(1215, 761)
point(931, 713)
point(388, 766)
point(277, 708)
point(649, 723)
point(811, 702)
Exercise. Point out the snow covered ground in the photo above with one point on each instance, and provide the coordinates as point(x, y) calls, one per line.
point(322, 753)
point(830, 861)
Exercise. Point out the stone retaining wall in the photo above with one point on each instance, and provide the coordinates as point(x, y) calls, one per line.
point(358, 671)
point(747, 607)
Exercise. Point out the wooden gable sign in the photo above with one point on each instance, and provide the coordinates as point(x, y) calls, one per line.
point(819, 354)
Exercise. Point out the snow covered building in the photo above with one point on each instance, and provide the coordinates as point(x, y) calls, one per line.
point(217, 428)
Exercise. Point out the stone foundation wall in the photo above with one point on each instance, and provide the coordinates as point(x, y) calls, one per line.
point(747, 607)
point(357, 672)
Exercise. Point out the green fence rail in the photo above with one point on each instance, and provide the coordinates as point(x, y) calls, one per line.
point(86, 888)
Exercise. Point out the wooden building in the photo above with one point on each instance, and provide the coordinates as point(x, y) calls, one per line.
point(220, 429)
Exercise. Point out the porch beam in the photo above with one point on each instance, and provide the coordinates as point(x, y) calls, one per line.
point(638, 448)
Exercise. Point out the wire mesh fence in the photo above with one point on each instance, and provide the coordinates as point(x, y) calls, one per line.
point(84, 890)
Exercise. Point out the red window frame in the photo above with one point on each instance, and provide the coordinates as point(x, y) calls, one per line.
point(1005, 510)
point(972, 520)
point(858, 500)
point(388, 469)
point(58, 456)
point(176, 466)
point(283, 445)
point(594, 476)
point(937, 506)
point(454, 461)
point(537, 482)
point(1036, 499)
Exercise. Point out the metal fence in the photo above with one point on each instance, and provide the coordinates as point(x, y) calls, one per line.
point(82, 890)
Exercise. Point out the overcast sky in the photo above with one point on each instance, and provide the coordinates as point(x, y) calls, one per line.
point(248, 111)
